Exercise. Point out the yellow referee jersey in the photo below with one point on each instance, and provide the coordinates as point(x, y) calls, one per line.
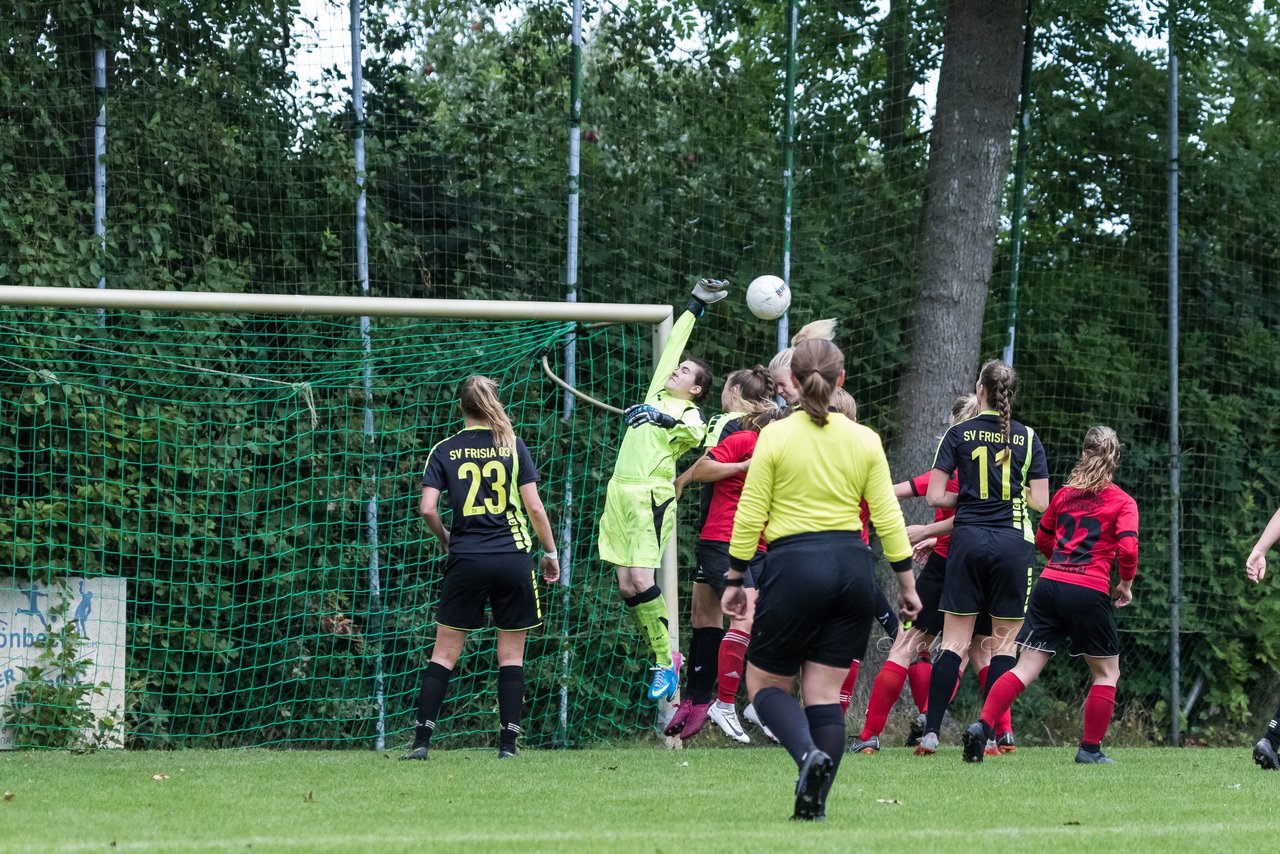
point(805, 478)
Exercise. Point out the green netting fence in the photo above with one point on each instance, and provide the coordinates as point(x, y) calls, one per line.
point(228, 133)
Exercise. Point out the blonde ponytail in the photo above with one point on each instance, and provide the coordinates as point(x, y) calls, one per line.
point(1099, 459)
point(478, 397)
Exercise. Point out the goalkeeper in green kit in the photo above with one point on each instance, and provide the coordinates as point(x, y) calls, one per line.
point(639, 510)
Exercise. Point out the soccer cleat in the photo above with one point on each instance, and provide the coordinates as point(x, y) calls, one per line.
point(927, 745)
point(870, 746)
point(1084, 757)
point(1264, 755)
point(695, 721)
point(1006, 742)
point(665, 679)
point(506, 753)
point(990, 749)
point(750, 714)
point(917, 730)
point(416, 753)
point(726, 717)
point(676, 723)
point(815, 771)
point(975, 742)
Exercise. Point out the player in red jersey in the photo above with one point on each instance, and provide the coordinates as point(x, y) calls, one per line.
point(1264, 751)
point(748, 396)
point(1089, 525)
point(931, 542)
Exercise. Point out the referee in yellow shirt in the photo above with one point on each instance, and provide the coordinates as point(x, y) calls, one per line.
point(813, 616)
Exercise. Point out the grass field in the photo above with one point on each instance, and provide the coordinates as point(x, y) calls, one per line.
point(633, 799)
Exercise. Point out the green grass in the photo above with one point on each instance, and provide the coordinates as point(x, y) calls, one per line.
point(630, 800)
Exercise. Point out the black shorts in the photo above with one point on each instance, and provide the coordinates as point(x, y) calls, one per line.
point(713, 563)
point(988, 571)
point(1060, 610)
point(929, 588)
point(817, 602)
point(504, 580)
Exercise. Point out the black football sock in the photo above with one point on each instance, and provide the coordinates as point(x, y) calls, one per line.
point(826, 728)
point(942, 684)
point(704, 654)
point(435, 684)
point(1273, 730)
point(510, 703)
point(1000, 665)
point(785, 718)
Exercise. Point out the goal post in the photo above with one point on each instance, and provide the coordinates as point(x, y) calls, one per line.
point(50, 304)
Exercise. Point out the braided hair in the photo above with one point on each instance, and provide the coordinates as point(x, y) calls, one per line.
point(753, 389)
point(1000, 383)
point(1099, 458)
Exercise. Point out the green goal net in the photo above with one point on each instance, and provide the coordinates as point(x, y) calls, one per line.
point(263, 511)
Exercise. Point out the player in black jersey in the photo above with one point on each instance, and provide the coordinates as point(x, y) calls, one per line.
point(1001, 470)
point(1265, 750)
point(491, 482)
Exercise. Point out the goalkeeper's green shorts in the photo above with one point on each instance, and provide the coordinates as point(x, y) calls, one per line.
point(638, 519)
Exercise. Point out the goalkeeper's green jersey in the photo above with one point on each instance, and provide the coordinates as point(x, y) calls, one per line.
point(649, 452)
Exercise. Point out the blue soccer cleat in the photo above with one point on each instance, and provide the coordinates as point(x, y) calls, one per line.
point(665, 680)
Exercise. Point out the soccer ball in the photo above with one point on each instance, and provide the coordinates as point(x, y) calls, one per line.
point(768, 297)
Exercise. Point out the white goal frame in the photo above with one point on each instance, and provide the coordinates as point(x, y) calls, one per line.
point(661, 317)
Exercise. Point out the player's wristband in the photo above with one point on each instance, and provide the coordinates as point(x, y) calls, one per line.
point(552, 555)
point(696, 307)
point(739, 564)
point(734, 582)
point(903, 565)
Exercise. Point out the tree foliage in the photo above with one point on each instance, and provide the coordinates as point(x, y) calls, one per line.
point(223, 177)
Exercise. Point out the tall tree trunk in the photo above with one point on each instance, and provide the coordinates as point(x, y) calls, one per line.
point(969, 160)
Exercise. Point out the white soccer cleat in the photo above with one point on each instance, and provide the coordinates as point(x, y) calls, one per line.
point(726, 717)
point(750, 714)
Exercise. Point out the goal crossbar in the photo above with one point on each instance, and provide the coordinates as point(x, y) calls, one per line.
point(305, 304)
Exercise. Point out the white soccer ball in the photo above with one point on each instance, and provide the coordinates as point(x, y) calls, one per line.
point(768, 297)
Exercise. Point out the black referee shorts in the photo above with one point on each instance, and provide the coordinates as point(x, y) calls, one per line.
point(817, 602)
point(713, 563)
point(1060, 610)
point(504, 580)
point(988, 571)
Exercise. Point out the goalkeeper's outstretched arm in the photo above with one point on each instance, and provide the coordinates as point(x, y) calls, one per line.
point(705, 292)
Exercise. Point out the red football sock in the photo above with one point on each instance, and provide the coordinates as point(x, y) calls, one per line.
point(1005, 724)
point(884, 693)
point(982, 681)
point(1000, 698)
point(846, 689)
point(918, 677)
point(733, 653)
point(1098, 707)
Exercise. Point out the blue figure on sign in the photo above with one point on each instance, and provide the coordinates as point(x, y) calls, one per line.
point(33, 604)
point(83, 610)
